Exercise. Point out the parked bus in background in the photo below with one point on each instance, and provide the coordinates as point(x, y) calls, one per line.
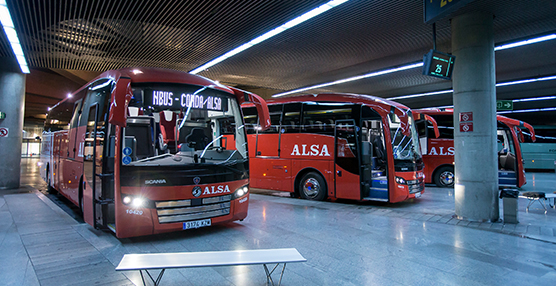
point(145, 151)
point(540, 154)
point(337, 146)
point(438, 151)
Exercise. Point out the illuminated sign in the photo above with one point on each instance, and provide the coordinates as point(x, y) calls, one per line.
point(437, 9)
point(438, 64)
point(172, 100)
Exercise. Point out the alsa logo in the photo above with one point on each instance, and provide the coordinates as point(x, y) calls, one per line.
point(449, 152)
point(313, 150)
point(153, 182)
point(216, 190)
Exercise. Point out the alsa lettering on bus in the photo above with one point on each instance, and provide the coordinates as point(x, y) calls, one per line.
point(219, 190)
point(450, 151)
point(166, 98)
point(314, 150)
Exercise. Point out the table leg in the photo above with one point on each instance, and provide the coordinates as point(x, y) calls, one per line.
point(158, 278)
point(269, 280)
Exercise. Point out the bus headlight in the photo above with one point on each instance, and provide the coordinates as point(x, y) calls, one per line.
point(241, 192)
point(400, 180)
point(138, 202)
point(135, 201)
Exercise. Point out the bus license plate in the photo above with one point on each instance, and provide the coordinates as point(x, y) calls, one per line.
point(196, 223)
point(418, 195)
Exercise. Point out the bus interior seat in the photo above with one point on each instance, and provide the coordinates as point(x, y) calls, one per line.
point(506, 160)
point(168, 121)
point(130, 141)
point(134, 111)
point(197, 138)
point(319, 125)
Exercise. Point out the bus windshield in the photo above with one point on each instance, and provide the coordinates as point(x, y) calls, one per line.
point(404, 148)
point(179, 124)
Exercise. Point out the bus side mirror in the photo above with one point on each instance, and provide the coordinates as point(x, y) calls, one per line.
point(260, 105)
point(366, 152)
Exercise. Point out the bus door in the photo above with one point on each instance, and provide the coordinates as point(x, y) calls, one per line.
point(423, 131)
point(507, 164)
point(374, 162)
point(268, 147)
point(268, 172)
point(73, 131)
point(98, 165)
point(347, 182)
point(57, 170)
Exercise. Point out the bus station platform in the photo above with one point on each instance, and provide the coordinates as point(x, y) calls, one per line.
point(44, 242)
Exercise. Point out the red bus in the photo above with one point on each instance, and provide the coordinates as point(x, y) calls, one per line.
point(438, 150)
point(336, 146)
point(145, 151)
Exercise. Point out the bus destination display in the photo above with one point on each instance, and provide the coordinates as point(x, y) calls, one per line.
point(175, 100)
point(438, 64)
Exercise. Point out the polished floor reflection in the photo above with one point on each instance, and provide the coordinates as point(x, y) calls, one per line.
point(345, 243)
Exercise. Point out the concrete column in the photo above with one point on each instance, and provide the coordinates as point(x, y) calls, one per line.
point(476, 186)
point(12, 98)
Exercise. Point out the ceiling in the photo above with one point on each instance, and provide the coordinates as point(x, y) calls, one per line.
point(69, 42)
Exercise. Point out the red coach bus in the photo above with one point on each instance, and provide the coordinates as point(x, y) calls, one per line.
point(438, 151)
point(337, 146)
point(145, 151)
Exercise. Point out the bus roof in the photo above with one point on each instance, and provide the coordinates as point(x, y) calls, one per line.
point(340, 97)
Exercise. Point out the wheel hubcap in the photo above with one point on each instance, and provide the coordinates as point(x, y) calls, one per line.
point(311, 187)
point(447, 178)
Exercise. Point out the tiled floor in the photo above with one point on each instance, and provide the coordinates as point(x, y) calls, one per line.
point(345, 243)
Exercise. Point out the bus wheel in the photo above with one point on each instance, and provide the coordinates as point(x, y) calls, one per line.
point(445, 177)
point(312, 187)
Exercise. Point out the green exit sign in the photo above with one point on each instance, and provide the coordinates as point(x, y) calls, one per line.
point(504, 105)
point(2, 115)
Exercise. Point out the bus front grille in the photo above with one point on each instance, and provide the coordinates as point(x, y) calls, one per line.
point(416, 186)
point(187, 210)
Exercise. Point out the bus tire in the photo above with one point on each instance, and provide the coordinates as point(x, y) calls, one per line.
point(312, 187)
point(49, 187)
point(445, 177)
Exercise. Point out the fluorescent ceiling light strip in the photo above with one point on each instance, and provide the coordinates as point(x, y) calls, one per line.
point(534, 98)
point(292, 23)
point(498, 84)
point(368, 75)
point(525, 42)
point(527, 80)
point(11, 34)
point(421, 94)
point(502, 47)
point(528, 110)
